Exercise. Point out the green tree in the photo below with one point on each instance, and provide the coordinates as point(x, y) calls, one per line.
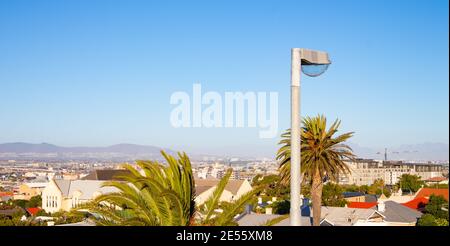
point(441, 222)
point(322, 156)
point(159, 195)
point(427, 220)
point(435, 205)
point(35, 201)
point(364, 189)
point(332, 195)
point(281, 207)
point(20, 203)
point(410, 183)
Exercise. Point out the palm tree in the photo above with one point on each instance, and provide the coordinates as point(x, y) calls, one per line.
point(208, 212)
point(162, 195)
point(157, 195)
point(322, 156)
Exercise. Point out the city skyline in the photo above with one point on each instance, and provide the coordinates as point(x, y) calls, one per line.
point(86, 74)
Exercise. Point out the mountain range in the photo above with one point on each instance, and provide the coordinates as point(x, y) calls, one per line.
point(413, 152)
point(50, 148)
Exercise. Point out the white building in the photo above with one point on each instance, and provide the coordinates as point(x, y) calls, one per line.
point(64, 195)
point(204, 188)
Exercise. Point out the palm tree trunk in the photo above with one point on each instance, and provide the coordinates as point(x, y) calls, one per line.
point(316, 195)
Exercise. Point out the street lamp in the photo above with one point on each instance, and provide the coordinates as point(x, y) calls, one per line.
point(312, 63)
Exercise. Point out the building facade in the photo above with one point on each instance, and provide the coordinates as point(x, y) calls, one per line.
point(366, 171)
point(63, 195)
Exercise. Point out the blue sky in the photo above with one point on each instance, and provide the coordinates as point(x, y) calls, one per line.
point(96, 73)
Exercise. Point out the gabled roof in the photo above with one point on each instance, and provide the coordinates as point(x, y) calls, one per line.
point(427, 192)
point(63, 185)
point(255, 219)
point(33, 211)
point(202, 185)
point(87, 188)
point(417, 203)
point(106, 174)
point(361, 204)
point(342, 216)
point(396, 212)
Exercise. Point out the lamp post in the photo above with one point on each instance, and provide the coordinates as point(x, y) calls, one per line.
point(312, 63)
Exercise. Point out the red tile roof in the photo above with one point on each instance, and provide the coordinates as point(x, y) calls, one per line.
point(417, 203)
point(33, 211)
point(6, 193)
point(427, 192)
point(361, 204)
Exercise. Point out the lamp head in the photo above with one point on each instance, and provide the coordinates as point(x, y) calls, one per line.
point(314, 63)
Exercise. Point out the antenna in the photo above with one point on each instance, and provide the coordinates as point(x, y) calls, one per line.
point(385, 154)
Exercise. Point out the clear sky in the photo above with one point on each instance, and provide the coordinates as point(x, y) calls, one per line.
point(97, 73)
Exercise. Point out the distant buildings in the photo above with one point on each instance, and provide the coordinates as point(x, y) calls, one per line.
point(28, 190)
point(366, 171)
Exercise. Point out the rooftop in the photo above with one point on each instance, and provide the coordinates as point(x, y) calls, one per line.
point(202, 185)
point(362, 204)
point(396, 212)
point(106, 174)
point(417, 203)
point(427, 192)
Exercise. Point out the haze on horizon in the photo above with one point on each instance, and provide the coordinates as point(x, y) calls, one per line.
point(96, 73)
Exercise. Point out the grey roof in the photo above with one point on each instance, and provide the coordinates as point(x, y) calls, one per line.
point(304, 220)
point(86, 187)
point(107, 174)
point(254, 219)
point(395, 212)
point(63, 185)
point(348, 194)
point(82, 223)
point(370, 198)
point(232, 186)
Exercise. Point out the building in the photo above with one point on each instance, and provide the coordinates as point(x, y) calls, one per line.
point(204, 188)
point(28, 190)
point(6, 196)
point(64, 195)
point(366, 171)
point(362, 172)
point(354, 196)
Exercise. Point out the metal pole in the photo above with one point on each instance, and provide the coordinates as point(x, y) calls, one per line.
point(295, 213)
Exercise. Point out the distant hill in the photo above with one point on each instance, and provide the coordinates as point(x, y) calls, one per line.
point(50, 148)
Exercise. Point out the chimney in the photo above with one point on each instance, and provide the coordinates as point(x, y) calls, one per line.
point(381, 207)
